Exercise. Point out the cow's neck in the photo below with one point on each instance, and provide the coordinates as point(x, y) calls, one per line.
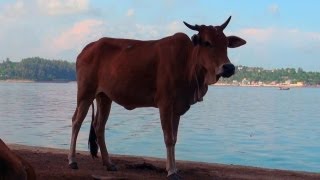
point(197, 74)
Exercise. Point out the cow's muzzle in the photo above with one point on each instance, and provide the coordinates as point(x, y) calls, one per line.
point(227, 70)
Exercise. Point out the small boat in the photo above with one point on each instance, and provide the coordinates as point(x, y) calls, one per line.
point(284, 88)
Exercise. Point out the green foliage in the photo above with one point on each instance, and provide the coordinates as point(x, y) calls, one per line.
point(257, 74)
point(38, 69)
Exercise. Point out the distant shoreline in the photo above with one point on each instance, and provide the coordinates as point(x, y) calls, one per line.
point(217, 84)
point(268, 85)
point(17, 81)
point(32, 81)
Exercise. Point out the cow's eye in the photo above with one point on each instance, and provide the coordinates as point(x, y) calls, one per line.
point(207, 44)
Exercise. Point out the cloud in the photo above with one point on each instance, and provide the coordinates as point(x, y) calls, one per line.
point(315, 36)
point(19, 9)
point(78, 35)
point(12, 11)
point(273, 9)
point(257, 34)
point(11, 15)
point(146, 31)
point(283, 47)
point(71, 40)
point(61, 7)
point(130, 12)
point(267, 35)
point(174, 27)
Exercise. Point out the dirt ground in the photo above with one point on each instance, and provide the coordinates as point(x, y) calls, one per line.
point(52, 163)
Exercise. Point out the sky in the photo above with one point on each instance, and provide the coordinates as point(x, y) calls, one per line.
point(279, 33)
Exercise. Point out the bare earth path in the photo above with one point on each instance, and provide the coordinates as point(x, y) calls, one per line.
point(51, 163)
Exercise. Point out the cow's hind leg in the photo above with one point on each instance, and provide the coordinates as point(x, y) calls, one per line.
point(77, 119)
point(103, 111)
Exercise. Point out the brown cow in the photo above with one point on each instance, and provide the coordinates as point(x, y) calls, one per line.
point(170, 74)
point(13, 166)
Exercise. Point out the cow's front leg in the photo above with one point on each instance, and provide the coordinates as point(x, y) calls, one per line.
point(169, 123)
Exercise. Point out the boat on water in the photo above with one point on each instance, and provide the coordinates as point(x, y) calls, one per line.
point(284, 88)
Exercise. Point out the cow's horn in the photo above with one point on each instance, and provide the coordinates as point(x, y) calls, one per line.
point(196, 27)
point(225, 24)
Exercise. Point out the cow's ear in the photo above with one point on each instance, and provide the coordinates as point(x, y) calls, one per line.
point(235, 41)
point(195, 39)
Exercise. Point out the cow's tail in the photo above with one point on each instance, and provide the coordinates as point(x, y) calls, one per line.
point(92, 143)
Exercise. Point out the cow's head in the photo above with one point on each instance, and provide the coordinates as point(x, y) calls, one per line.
point(212, 46)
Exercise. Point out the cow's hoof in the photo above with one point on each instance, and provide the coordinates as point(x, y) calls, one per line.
point(174, 176)
point(112, 167)
point(73, 165)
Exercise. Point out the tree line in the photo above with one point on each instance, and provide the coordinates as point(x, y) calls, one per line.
point(258, 74)
point(37, 69)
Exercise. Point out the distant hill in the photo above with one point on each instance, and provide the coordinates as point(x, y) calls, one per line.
point(38, 69)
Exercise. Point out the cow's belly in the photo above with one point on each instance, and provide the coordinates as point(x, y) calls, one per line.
point(131, 94)
point(129, 82)
point(132, 101)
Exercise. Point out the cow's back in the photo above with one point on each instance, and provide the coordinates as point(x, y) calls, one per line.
point(128, 71)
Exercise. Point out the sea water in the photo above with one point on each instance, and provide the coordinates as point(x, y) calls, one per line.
point(255, 126)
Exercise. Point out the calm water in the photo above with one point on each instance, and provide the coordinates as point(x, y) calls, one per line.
point(262, 127)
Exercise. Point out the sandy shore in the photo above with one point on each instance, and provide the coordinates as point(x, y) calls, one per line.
point(17, 81)
point(51, 163)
